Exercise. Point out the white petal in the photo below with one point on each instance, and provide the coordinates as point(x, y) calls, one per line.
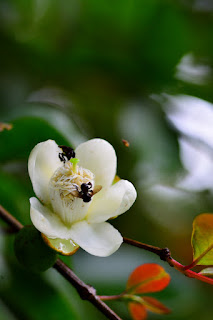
point(98, 156)
point(47, 222)
point(69, 210)
point(43, 161)
point(99, 239)
point(111, 202)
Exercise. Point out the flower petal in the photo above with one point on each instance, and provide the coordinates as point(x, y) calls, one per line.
point(111, 202)
point(43, 161)
point(98, 156)
point(47, 222)
point(65, 247)
point(99, 239)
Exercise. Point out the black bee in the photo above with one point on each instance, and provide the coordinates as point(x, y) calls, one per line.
point(86, 192)
point(67, 154)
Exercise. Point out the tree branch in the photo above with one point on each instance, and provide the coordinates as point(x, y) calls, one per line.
point(164, 254)
point(85, 291)
point(9, 219)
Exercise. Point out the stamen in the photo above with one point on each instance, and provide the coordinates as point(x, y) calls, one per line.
point(67, 198)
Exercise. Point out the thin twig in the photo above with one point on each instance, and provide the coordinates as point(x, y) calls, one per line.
point(189, 273)
point(85, 291)
point(12, 221)
point(165, 255)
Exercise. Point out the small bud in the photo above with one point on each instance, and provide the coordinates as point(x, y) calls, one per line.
point(32, 252)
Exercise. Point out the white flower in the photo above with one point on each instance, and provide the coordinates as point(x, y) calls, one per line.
point(71, 213)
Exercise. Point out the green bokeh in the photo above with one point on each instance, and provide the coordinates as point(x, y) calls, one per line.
point(75, 70)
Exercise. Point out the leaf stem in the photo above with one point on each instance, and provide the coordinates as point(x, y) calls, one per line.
point(115, 297)
point(195, 262)
point(190, 273)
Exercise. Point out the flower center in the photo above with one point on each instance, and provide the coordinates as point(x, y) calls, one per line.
point(70, 190)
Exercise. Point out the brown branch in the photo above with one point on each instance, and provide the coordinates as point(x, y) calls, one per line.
point(164, 254)
point(9, 219)
point(85, 291)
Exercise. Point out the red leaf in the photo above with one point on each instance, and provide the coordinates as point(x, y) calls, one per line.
point(156, 306)
point(149, 277)
point(137, 311)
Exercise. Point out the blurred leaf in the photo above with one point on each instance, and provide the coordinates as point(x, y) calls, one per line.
point(51, 106)
point(14, 195)
point(5, 313)
point(137, 311)
point(202, 239)
point(27, 132)
point(149, 277)
point(5, 126)
point(156, 306)
point(30, 130)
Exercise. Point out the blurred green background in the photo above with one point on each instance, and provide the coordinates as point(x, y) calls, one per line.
point(139, 70)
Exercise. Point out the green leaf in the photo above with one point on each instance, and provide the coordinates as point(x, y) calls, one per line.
point(15, 192)
point(208, 272)
point(202, 239)
point(34, 123)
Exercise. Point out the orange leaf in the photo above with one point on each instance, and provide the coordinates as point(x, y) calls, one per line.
point(149, 277)
point(156, 306)
point(137, 311)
